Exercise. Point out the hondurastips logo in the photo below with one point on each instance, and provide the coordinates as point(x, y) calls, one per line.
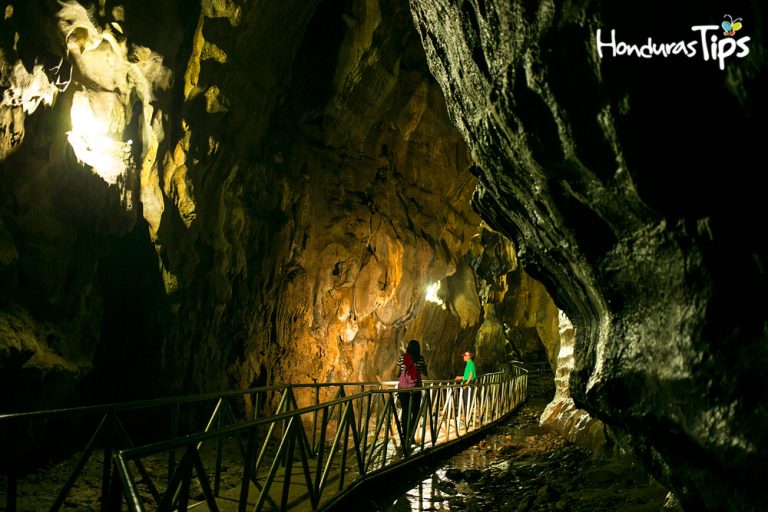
point(712, 42)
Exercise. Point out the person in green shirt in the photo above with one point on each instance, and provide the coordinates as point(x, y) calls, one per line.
point(469, 369)
point(466, 394)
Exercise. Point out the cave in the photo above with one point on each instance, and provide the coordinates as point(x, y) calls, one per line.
point(222, 194)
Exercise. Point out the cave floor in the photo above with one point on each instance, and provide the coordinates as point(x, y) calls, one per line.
point(520, 467)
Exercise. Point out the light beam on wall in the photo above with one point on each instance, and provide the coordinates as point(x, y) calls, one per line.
point(93, 144)
point(432, 293)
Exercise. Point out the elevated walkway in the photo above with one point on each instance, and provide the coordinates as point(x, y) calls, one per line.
point(296, 447)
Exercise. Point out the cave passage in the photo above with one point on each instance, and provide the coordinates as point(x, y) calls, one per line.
point(204, 196)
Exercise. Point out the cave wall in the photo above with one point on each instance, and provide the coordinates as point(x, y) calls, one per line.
point(615, 178)
point(292, 185)
point(324, 218)
point(516, 308)
point(293, 163)
point(77, 267)
point(320, 216)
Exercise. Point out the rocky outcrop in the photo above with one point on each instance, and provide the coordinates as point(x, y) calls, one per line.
point(561, 415)
point(517, 309)
point(617, 183)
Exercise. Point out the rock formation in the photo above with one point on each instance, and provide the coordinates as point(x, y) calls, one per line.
point(615, 177)
point(239, 200)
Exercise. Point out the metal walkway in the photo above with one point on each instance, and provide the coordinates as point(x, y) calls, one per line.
point(292, 447)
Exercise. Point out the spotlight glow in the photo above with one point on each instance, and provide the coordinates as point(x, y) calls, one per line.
point(93, 144)
point(432, 293)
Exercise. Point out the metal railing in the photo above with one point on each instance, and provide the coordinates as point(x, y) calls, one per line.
point(117, 426)
point(533, 367)
point(293, 446)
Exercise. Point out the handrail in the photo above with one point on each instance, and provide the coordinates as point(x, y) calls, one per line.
point(373, 407)
point(533, 367)
point(171, 400)
point(367, 421)
point(110, 432)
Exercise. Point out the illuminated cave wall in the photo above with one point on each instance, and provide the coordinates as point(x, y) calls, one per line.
point(83, 311)
point(318, 163)
point(291, 187)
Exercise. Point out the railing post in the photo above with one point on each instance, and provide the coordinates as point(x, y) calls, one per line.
point(115, 491)
point(12, 449)
point(314, 417)
point(174, 433)
point(288, 394)
point(293, 428)
point(389, 409)
point(219, 450)
point(360, 410)
point(109, 440)
point(460, 413)
point(320, 451)
point(186, 480)
point(250, 456)
point(472, 390)
point(364, 436)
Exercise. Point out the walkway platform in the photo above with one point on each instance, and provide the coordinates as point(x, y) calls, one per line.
point(287, 448)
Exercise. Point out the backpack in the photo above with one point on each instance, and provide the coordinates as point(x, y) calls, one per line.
point(409, 377)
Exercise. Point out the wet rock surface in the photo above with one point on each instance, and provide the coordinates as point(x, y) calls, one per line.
point(521, 467)
point(644, 256)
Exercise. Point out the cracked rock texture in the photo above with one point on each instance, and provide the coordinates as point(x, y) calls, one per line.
point(616, 180)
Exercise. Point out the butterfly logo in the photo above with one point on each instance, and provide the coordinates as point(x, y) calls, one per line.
point(731, 26)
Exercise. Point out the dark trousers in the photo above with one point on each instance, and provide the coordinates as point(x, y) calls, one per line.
point(409, 415)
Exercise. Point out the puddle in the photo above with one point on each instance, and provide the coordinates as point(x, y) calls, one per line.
point(460, 482)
